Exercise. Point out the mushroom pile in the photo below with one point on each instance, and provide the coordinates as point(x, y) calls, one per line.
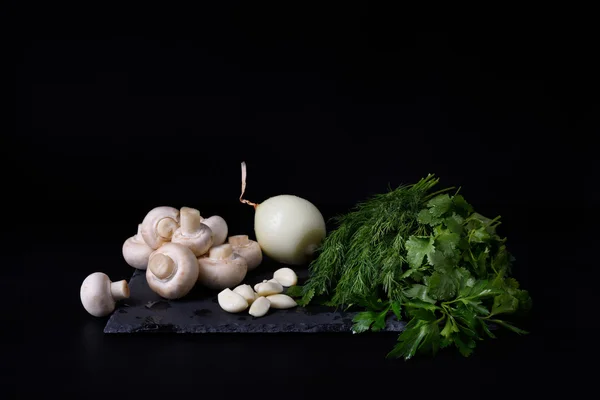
point(178, 249)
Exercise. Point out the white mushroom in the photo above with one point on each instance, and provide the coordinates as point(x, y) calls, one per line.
point(231, 301)
point(99, 295)
point(281, 301)
point(269, 287)
point(260, 307)
point(192, 233)
point(249, 249)
point(286, 276)
point(221, 268)
point(218, 226)
point(172, 271)
point(246, 292)
point(159, 225)
point(135, 250)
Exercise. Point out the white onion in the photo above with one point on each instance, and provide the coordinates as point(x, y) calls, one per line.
point(288, 228)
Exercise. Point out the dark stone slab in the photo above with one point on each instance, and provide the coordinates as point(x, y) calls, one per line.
point(199, 312)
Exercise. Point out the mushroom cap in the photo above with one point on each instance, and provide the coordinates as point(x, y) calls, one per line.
point(182, 277)
point(199, 242)
point(159, 225)
point(96, 294)
point(136, 252)
point(219, 229)
point(221, 273)
point(250, 250)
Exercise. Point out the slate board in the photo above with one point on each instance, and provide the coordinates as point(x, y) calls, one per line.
point(199, 312)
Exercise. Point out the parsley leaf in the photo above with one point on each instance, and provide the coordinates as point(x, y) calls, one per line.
point(504, 303)
point(441, 286)
point(464, 343)
point(449, 328)
point(454, 223)
point(461, 205)
point(418, 291)
point(363, 321)
point(417, 248)
point(417, 334)
point(439, 205)
point(397, 310)
point(294, 291)
point(424, 217)
point(447, 242)
point(440, 262)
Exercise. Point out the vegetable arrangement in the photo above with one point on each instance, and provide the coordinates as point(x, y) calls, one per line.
point(424, 257)
point(421, 256)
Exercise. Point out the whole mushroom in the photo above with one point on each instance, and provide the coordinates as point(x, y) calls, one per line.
point(159, 225)
point(249, 249)
point(192, 233)
point(221, 268)
point(135, 250)
point(218, 226)
point(172, 271)
point(99, 295)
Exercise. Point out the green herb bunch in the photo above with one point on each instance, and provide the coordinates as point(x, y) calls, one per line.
point(425, 257)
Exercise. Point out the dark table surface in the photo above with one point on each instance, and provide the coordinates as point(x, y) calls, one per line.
point(333, 110)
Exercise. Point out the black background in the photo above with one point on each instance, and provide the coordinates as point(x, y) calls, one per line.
point(330, 105)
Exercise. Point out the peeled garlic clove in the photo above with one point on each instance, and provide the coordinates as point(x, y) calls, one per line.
point(281, 301)
point(286, 277)
point(268, 288)
point(246, 292)
point(258, 284)
point(231, 301)
point(260, 307)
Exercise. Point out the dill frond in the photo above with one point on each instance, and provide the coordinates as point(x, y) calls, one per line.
point(364, 254)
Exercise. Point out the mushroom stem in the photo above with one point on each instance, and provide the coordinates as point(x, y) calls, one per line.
point(244, 187)
point(239, 240)
point(161, 266)
point(139, 232)
point(166, 227)
point(119, 290)
point(220, 252)
point(190, 220)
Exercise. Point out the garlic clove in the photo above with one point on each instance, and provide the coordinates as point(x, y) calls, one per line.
point(286, 277)
point(258, 284)
point(281, 301)
point(231, 301)
point(246, 292)
point(260, 307)
point(269, 288)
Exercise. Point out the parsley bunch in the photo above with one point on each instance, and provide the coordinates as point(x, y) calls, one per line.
point(426, 258)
